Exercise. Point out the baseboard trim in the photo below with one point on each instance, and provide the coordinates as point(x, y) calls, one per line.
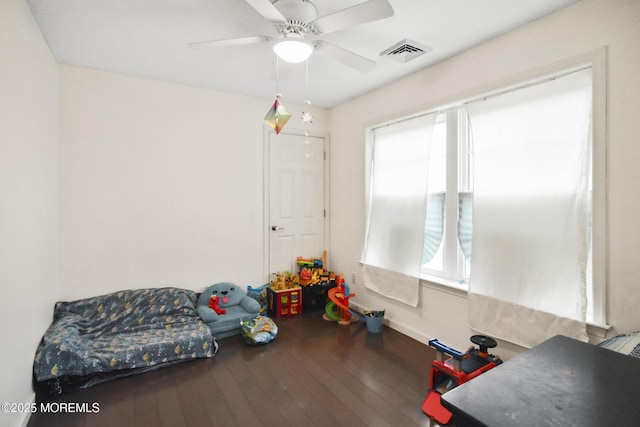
point(403, 329)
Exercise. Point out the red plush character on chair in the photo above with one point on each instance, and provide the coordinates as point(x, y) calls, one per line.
point(214, 304)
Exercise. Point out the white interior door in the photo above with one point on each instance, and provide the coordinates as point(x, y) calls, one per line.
point(296, 199)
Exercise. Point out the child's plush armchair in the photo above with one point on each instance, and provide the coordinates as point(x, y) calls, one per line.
point(232, 307)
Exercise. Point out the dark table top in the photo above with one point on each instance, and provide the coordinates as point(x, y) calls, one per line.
point(561, 382)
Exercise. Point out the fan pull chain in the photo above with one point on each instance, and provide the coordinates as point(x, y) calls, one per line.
point(277, 116)
point(306, 115)
point(278, 95)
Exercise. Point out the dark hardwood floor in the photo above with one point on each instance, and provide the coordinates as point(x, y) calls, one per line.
point(316, 373)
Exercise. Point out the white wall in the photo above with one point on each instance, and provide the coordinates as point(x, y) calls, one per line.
point(583, 27)
point(28, 199)
point(160, 184)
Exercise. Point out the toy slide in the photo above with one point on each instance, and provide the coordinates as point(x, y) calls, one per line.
point(338, 301)
point(330, 310)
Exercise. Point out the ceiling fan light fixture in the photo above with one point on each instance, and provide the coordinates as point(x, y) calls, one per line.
point(293, 51)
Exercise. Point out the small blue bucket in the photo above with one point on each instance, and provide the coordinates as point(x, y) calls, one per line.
point(374, 324)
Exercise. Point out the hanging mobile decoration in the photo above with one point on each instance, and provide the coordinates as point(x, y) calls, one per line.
point(277, 116)
point(306, 115)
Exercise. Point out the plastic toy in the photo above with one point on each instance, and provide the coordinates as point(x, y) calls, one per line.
point(313, 271)
point(337, 308)
point(306, 274)
point(313, 263)
point(286, 302)
point(282, 281)
point(260, 295)
point(447, 374)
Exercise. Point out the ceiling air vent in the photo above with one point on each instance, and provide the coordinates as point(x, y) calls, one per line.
point(405, 51)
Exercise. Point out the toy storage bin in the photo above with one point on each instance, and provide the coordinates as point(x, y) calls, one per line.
point(374, 324)
point(316, 297)
point(374, 320)
point(287, 302)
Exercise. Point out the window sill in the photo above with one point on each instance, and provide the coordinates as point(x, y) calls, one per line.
point(598, 330)
point(443, 284)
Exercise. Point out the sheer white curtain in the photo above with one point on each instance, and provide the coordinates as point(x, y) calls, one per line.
point(530, 211)
point(397, 207)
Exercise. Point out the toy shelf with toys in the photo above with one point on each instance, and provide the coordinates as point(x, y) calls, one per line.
point(316, 281)
point(289, 294)
point(284, 302)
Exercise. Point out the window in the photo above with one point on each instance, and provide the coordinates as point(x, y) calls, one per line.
point(448, 234)
point(448, 224)
point(531, 209)
point(397, 188)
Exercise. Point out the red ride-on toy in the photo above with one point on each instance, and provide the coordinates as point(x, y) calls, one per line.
point(447, 374)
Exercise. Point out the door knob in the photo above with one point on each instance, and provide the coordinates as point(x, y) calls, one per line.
point(276, 228)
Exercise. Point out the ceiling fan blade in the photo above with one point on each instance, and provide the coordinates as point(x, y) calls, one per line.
point(344, 56)
point(229, 42)
point(368, 11)
point(268, 10)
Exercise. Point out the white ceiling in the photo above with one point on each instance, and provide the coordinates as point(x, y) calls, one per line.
point(149, 38)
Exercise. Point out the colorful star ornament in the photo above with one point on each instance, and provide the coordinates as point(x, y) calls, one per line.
point(277, 116)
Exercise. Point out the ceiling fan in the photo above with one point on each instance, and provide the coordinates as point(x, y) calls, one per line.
point(294, 20)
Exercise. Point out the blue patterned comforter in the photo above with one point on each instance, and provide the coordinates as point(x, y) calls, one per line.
point(628, 344)
point(125, 332)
